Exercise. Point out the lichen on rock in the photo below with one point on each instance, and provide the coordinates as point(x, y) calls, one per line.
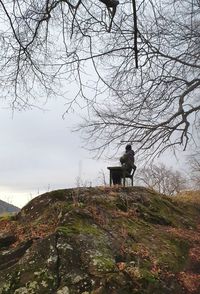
point(100, 241)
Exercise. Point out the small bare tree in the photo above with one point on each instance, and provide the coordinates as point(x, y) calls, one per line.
point(102, 177)
point(162, 179)
point(194, 163)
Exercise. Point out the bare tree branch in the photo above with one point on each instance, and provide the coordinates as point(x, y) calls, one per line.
point(135, 65)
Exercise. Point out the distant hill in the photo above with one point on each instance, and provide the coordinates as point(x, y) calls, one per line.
point(6, 207)
point(103, 240)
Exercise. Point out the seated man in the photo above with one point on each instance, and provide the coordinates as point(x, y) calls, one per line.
point(128, 160)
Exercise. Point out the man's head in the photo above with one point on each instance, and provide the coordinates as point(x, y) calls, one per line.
point(128, 147)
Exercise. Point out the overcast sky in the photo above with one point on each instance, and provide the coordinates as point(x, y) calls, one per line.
point(40, 153)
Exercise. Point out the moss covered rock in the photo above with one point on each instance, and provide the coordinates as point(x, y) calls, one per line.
point(101, 241)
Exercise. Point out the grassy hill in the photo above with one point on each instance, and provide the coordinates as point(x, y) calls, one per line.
point(7, 208)
point(103, 241)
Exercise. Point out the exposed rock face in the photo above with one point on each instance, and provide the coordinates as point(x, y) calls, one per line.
point(101, 241)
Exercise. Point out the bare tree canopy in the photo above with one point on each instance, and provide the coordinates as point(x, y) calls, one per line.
point(162, 179)
point(146, 54)
point(194, 163)
point(48, 42)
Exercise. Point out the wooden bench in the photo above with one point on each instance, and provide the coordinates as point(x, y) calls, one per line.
point(121, 174)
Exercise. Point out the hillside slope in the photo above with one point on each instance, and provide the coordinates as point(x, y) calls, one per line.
point(101, 241)
point(7, 207)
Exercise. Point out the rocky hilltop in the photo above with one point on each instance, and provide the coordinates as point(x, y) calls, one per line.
point(102, 241)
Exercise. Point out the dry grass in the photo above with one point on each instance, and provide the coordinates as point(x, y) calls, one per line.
point(192, 197)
